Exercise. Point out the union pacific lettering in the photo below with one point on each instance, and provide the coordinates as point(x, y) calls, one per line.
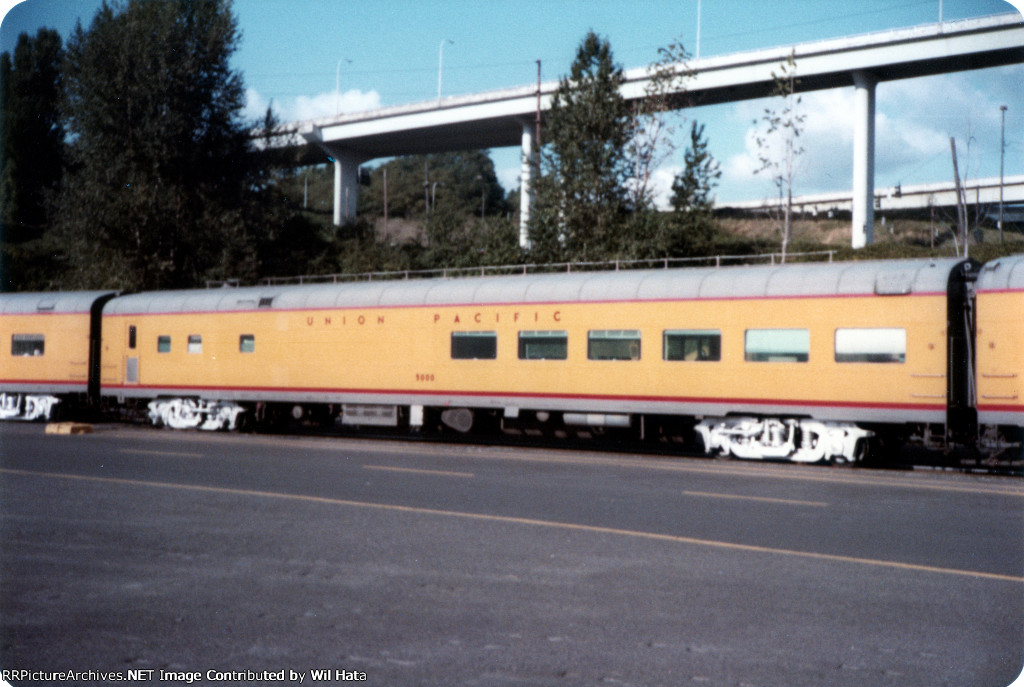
point(343, 320)
point(458, 317)
point(497, 317)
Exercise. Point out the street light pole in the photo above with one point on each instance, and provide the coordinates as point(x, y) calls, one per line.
point(440, 59)
point(1002, 149)
point(337, 85)
point(697, 55)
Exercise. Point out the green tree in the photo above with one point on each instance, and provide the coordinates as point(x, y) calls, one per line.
point(464, 182)
point(692, 219)
point(160, 181)
point(31, 152)
point(656, 117)
point(581, 197)
point(778, 143)
point(32, 135)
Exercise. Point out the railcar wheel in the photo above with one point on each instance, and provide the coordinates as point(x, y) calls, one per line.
point(459, 419)
point(183, 413)
point(860, 452)
point(246, 421)
point(884, 449)
point(714, 452)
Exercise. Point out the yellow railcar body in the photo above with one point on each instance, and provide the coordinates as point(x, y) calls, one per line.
point(1000, 344)
point(403, 355)
point(44, 352)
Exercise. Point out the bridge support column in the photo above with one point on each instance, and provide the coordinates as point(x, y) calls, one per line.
point(346, 176)
point(525, 185)
point(346, 187)
point(863, 224)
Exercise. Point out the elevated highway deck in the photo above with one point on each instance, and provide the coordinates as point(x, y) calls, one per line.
point(507, 117)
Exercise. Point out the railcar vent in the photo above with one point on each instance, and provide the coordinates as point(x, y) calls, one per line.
point(266, 302)
point(894, 283)
point(46, 306)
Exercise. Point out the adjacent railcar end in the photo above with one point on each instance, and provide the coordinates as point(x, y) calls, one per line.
point(49, 352)
point(1000, 360)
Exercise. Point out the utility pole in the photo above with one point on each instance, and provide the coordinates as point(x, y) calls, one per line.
point(1002, 150)
point(696, 55)
point(961, 209)
point(537, 123)
point(337, 85)
point(440, 60)
point(426, 188)
point(931, 224)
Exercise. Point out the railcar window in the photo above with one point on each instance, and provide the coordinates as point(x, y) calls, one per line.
point(613, 344)
point(163, 344)
point(692, 344)
point(474, 345)
point(871, 345)
point(777, 345)
point(543, 345)
point(247, 343)
point(28, 345)
point(132, 336)
point(195, 343)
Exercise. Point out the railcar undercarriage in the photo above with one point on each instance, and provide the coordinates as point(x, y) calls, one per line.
point(190, 413)
point(28, 407)
point(797, 440)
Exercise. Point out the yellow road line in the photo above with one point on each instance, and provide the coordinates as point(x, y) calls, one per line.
point(419, 471)
point(750, 469)
point(532, 522)
point(696, 465)
point(765, 499)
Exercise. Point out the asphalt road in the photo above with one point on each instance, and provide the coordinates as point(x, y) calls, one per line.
point(240, 556)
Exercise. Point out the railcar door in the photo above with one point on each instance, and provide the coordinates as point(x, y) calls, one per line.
point(962, 413)
point(131, 367)
point(96, 346)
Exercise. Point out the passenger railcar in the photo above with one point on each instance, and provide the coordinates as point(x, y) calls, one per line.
point(801, 362)
point(792, 361)
point(52, 351)
point(1000, 350)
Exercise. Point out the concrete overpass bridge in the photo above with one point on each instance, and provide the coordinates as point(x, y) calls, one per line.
point(983, 194)
point(507, 117)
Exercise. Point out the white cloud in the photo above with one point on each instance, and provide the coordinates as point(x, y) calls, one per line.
point(311, 107)
point(508, 171)
point(826, 140)
point(914, 121)
point(661, 184)
point(508, 177)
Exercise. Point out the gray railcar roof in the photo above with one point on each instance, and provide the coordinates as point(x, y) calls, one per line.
point(56, 302)
point(805, 279)
point(1002, 273)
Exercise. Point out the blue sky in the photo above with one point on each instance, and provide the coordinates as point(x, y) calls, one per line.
point(295, 52)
